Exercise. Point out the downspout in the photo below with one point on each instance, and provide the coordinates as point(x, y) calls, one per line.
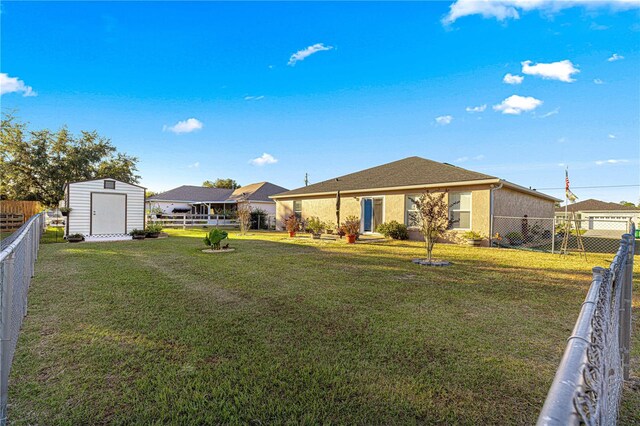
point(491, 203)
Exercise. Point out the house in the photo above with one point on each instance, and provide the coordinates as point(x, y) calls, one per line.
point(384, 193)
point(596, 215)
point(215, 201)
point(104, 207)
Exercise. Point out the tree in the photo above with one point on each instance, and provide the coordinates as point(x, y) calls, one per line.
point(627, 203)
point(244, 216)
point(432, 216)
point(35, 164)
point(221, 183)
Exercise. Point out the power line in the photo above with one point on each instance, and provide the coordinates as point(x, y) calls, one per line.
point(592, 187)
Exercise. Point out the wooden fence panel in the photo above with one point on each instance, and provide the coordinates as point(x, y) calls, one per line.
point(24, 208)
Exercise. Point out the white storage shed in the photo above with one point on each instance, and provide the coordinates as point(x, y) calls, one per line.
point(104, 207)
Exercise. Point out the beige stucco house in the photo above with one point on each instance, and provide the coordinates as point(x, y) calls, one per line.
point(384, 193)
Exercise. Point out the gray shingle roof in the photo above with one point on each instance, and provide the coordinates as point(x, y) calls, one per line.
point(406, 172)
point(189, 193)
point(596, 205)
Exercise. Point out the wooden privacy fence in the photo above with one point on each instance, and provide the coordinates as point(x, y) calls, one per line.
point(14, 213)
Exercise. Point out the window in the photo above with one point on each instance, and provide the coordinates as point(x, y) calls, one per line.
point(411, 215)
point(109, 184)
point(460, 210)
point(297, 209)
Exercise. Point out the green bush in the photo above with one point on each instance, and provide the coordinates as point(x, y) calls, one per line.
point(214, 237)
point(152, 228)
point(393, 229)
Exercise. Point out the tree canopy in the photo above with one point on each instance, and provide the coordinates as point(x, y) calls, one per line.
point(221, 183)
point(35, 164)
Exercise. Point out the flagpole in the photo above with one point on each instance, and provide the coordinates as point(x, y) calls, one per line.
point(566, 199)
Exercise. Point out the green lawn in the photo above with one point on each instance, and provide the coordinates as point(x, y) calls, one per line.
point(294, 331)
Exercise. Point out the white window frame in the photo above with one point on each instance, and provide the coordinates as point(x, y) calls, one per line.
point(384, 212)
point(407, 202)
point(295, 212)
point(456, 208)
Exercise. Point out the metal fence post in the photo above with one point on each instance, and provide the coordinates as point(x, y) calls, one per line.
point(5, 334)
point(553, 236)
point(625, 308)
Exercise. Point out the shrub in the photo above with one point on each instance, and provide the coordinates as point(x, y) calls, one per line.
point(472, 235)
point(135, 232)
point(351, 225)
point(214, 237)
point(153, 228)
point(292, 224)
point(393, 229)
point(514, 236)
point(259, 219)
point(315, 225)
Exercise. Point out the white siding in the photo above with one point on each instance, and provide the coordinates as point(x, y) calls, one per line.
point(267, 206)
point(167, 206)
point(79, 200)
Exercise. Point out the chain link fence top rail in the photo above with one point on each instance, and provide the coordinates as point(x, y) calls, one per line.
point(587, 388)
point(17, 261)
point(547, 234)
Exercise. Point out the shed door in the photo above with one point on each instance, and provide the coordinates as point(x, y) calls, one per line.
point(108, 213)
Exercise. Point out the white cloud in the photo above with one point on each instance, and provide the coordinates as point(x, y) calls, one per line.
point(561, 70)
point(253, 98)
point(443, 120)
point(195, 165)
point(300, 55)
point(187, 126)
point(480, 108)
point(562, 139)
point(512, 79)
point(476, 158)
point(14, 85)
point(612, 136)
point(511, 9)
point(615, 57)
point(601, 162)
point(597, 81)
point(462, 159)
point(263, 159)
point(515, 104)
point(597, 27)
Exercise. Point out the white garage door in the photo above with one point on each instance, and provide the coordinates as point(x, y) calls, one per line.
point(608, 223)
point(108, 213)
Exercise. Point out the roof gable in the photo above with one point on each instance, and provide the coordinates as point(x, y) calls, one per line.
point(406, 172)
point(189, 193)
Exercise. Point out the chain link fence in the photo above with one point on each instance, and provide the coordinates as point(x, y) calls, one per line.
point(547, 234)
point(587, 387)
point(17, 261)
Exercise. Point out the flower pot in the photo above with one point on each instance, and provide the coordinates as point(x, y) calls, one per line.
point(65, 214)
point(292, 234)
point(75, 239)
point(138, 237)
point(152, 234)
point(351, 239)
point(315, 236)
point(329, 231)
point(474, 243)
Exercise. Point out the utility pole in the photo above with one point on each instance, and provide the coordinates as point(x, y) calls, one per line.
point(306, 179)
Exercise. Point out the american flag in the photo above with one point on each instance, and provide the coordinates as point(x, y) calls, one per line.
point(570, 195)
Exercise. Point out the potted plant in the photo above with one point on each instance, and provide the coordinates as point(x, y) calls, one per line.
point(473, 238)
point(138, 234)
point(75, 238)
point(65, 211)
point(329, 227)
point(315, 226)
point(292, 224)
point(351, 228)
point(215, 237)
point(153, 230)
point(515, 238)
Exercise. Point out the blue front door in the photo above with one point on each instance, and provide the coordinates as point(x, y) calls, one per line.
point(368, 215)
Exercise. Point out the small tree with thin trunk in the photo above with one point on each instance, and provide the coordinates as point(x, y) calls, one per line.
point(432, 216)
point(244, 216)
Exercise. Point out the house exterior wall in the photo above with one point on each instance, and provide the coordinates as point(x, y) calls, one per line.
point(394, 206)
point(508, 202)
point(78, 198)
point(167, 206)
point(267, 206)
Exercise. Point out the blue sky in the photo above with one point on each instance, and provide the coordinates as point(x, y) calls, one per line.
point(198, 90)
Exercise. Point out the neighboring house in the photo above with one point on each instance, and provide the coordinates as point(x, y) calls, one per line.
point(384, 193)
point(602, 215)
point(219, 201)
point(104, 207)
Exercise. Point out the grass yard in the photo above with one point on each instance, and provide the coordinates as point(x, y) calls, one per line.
point(295, 331)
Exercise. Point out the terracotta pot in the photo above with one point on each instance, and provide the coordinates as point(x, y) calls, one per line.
point(351, 239)
point(292, 234)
